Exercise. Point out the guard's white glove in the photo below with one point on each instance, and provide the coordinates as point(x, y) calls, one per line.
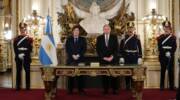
point(121, 61)
point(139, 61)
point(74, 57)
point(168, 54)
point(78, 56)
point(21, 56)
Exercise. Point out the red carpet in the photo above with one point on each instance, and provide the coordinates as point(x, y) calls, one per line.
point(92, 94)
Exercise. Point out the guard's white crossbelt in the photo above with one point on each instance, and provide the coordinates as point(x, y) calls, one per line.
point(166, 39)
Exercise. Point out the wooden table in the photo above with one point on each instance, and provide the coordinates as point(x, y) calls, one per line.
point(50, 74)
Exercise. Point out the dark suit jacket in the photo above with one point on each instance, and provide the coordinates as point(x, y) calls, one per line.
point(104, 51)
point(27, 43)
point(178, 94)
point(75, 48)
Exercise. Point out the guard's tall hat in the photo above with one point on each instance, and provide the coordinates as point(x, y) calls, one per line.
point(166, 24)
point(22, 25)
point(130, 24)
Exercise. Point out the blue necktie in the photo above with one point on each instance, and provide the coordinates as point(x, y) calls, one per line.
point(75, 40)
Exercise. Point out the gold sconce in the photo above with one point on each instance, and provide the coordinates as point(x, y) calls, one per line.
point(152, 29)
point(35, 29)
point(7, 32)
point(8, 35)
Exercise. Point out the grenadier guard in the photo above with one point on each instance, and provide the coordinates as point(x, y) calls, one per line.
point(167, 47)
point(130, 50)
point(23, 48)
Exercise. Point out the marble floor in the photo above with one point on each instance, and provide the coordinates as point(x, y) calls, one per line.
point(6, 79)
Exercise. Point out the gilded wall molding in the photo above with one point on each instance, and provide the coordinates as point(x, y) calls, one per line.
point(173, 17)
point(17, 15)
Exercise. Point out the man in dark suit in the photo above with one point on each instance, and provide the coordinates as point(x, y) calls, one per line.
point(22, 48)
point(167, 47)
point(130, 50)
point(178, 90)
point(178, 94)
point(107, 49)
point(75, 49)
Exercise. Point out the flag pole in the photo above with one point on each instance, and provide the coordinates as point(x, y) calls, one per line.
point(48, 11)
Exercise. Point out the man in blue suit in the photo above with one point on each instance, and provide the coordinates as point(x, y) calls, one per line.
point(75, 49)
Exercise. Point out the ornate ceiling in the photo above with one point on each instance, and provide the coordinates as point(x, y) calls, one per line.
point(105, 5)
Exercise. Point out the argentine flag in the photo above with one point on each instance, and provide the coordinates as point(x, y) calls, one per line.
point(47, 52)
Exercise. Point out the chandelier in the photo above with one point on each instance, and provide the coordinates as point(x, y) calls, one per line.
point(35, 24)
point(154, 17)
point(152, 29)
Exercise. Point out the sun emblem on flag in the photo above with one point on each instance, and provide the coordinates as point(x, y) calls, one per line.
point(48, 47)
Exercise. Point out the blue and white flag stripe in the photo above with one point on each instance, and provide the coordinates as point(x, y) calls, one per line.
point(48, 28)
point(47, 53)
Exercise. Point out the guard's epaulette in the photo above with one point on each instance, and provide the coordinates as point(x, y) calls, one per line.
point(160, 36)
point(30, 39)
point(174, 36)
point(137, 36)
point(16, 38)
